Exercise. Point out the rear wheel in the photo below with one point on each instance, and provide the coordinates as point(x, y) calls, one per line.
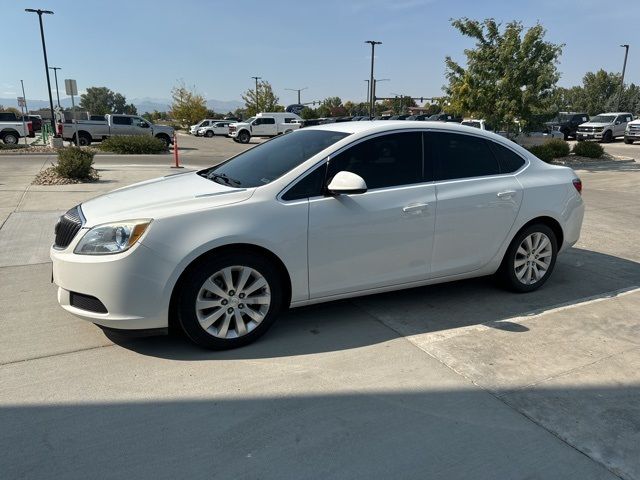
point(230, 300)
point(530, 259)
point(10, 138)
point(85, 139)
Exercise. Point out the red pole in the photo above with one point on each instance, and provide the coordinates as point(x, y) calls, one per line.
point(175, 151)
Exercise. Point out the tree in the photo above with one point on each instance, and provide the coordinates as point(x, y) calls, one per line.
point(308, 113)
point(188, 106)
point(265, 101)
point(509, 75)
point(331, 107)
point(101, 100)
point(399, 105)
point(11, 110)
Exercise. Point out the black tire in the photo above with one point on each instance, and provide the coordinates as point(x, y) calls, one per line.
point(10, 138)
point(607, 137)
point(244, 137)
point(628, 141)
point(165, 139)
point(507, 272)
point(199, 273)
point(209, 134)
point(85, 139)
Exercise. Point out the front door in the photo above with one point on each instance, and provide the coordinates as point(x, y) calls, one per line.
point(381, 237)
point(263, 126)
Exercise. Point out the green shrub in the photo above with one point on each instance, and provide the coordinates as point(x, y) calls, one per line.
point(543, 152)
point(559, 148)
point(588, 149)
point(138, 144)
point(74, 162)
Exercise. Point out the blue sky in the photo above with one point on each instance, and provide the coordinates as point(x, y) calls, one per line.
point(142, 48)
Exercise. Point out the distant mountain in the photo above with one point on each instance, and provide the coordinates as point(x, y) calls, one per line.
point(145, 104)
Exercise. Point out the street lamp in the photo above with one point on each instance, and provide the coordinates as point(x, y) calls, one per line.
point(257, 104)
point(297, 90)
point(372, 98)
point(55, 74)
point(368, 90)
point(46, 62)
point(624, 67)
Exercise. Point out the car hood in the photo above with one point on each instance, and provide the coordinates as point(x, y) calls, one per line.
point(595, 124)
point(161, 197)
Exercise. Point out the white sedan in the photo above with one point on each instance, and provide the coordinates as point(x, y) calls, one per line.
point(323, 213)
point(217, 128)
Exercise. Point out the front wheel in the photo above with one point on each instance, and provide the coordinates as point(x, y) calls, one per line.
point(165, 139)
point(244, 137)
point(530, 259)
point(230, 300)
point(628, 141)
point(607, 137)
point(209, 134)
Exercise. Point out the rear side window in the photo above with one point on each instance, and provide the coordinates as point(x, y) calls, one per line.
point(508, 160)
point(463, 156)
point(121, 120)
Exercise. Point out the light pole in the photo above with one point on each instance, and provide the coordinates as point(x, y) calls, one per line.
point(46, 62)
point(297, 90)
point(257, 103)
point(368, 90)
point(372, 99)
point(624, 67)
point(55, 75)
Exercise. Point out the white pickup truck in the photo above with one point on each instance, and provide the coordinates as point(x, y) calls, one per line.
point(96, 130)
point(267, 124)
point(12, 129)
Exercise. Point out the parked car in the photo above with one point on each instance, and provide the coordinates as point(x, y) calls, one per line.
point(476, 123)
point(115, 125)
point(444, 117)
point(567, 123)
point(604, 127)
point(323, 213)
point(36, 121)
point(267, 124)
point(419, 118)
point(632, 132)
point(398, 117)
point(12, 128)
point(221, 127)
point(207, 122)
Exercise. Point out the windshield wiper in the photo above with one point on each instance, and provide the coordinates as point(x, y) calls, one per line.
point(232, 182)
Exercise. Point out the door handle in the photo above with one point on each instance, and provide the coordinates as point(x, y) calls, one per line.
point(415, 207)
point(506, 194)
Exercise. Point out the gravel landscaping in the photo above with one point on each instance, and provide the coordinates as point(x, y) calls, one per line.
point(49, 176)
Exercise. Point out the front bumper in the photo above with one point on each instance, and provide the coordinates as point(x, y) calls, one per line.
point(589, 135)
point(130, 285)
point(632, 136)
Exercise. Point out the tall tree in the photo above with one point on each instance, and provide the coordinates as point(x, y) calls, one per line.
point(509, 74)
point(101, 100)
point(188, 106)
point(264, 100)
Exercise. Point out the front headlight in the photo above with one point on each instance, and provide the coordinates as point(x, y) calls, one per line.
point(112, 238)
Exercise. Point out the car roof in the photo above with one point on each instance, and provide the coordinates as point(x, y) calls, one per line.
point(616, 113)
point(383, 125)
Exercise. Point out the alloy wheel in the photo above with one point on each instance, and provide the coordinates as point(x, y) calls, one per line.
point(233, 302)
point(533, 258)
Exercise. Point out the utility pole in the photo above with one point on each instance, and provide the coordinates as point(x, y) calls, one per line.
point(55, 74)
point(25, 97)
point(257, 103)
point(297, 90)
point(372, 98)
point(368, 90)
point(46, 63)
point(624, 67)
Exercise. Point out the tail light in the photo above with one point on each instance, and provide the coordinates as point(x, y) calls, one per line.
point(30, 128)
point(578, 184)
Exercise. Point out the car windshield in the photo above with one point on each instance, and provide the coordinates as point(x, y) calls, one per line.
point(603, 119)
point(564, 117)
point(270, 160)
point(249, 120)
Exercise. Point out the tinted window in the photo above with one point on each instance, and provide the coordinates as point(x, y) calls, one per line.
point(463, 156)
point(8, 117)
point(270, 160)
point(121, 120)
point(384, 161)
point(268, 121)
point(309, 186)
point(508, 160)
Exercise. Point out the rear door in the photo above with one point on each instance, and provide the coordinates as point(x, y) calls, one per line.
point(478, 199)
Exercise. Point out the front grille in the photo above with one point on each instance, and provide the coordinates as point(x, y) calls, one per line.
point(86, 302)
point(67, 227)
point(635, 129)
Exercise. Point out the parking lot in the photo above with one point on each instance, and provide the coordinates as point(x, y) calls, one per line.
point(460, 380)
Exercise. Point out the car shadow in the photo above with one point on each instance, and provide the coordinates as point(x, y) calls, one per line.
point(607, 166)
point(579, 275)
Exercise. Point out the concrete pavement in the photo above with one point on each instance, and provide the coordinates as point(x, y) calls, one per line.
point(461, 380)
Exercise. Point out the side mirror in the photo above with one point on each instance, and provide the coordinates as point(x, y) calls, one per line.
point(347, 183)
point(618, 122)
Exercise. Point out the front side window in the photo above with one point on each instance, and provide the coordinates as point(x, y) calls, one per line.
point(383, 161)
point(268, 121)
point(463, 156)
point(270, 160)
point(139, 122)
point(121, 120)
